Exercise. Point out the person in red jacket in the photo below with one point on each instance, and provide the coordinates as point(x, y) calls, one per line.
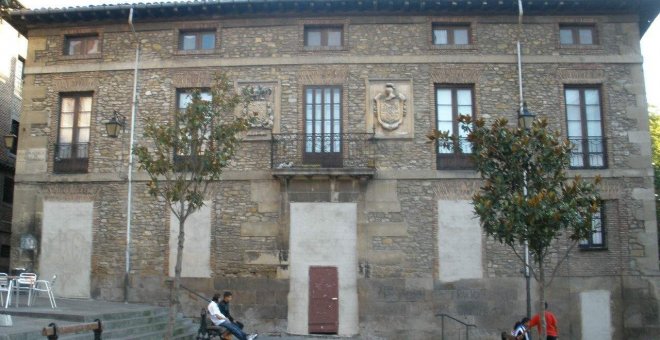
point(552, 331)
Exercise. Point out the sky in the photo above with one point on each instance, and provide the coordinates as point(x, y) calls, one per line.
point(650, 51)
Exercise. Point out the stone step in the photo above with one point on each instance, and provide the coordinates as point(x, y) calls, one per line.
point(145, 328)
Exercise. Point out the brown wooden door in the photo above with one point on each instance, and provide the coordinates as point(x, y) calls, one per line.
point(323, 135)
point(323, 300)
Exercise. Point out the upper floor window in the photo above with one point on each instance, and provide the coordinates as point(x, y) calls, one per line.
point(72, 148)
point(585, 127)
point(451, 34)
point(452, 102)
point(82, 44)
point(323, 133)
point(184, 98)
point(577, 35)
point(196, 40)
point(324, 36)
point(8, 190)
point(18, 76)
point(597, 238)
point(14, 131)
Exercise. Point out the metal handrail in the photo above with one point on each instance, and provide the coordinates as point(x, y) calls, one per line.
point(467, 325)
point(195, 293)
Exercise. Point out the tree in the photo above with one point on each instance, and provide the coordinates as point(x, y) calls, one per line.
point(188, 152)
point(526, 195)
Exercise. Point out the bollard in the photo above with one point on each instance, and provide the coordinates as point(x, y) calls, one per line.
point(98, 331)
point(54, 335)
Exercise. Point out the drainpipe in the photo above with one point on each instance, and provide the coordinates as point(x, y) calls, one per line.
point(130, 157)
point(520, 111)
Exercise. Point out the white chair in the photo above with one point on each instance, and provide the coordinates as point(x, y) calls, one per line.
point(45, 286)
point(4, 287)
point(25, 282)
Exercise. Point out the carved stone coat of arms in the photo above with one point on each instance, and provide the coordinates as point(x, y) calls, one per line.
point(390, 107)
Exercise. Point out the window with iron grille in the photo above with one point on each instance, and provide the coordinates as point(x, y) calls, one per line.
point(451, 102)
point(451, 34)
point(81, 45)
point(597, 238)
point(585, 127)
point(72, 148)
point(324, 36)
point(577, 35)
point(197, 40)
point(323, 132)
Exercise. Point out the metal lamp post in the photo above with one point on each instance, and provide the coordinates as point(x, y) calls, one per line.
point(525, 121)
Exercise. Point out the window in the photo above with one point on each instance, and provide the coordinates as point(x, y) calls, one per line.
point(597, 239)
point(8, 190)
point(72, 148)
point(81, 45)
point(184, 98)
point(5, 251)
point(323, 138)
point(197, 40)
point(18, 76)
point(14, 131)
point(324, 36)
point(585, 127)
point(577, 35)
point(451, 34)
point(452, 102)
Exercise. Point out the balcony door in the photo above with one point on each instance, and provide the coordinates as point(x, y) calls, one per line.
point(323, 137)
point(72, 149)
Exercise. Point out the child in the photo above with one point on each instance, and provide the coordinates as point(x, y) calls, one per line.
point(520, 329)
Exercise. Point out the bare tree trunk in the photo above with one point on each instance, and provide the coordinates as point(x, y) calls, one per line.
point(174, 292)
point(544, 330)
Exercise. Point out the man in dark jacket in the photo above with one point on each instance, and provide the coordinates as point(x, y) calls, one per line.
point(224, 308)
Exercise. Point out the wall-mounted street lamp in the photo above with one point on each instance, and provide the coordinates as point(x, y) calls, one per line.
point(112, 126)
point(525, 118)
point(10, 141)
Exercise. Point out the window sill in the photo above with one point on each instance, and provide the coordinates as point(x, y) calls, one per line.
point(592, 248)
point(454, 47)
point(325, 49)
point(574, 47)
point(196, 52)
point(82, 57)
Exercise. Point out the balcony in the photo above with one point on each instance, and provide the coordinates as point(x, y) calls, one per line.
point(588, 153)
point(71, 158)
point(345, 154)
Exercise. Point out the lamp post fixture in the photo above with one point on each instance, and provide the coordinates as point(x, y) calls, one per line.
point(525, 121)
point(10, 141)
point(112, 126)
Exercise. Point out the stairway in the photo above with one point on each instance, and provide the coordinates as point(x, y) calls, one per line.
point(149, 323)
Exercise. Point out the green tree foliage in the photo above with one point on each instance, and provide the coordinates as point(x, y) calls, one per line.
point(527, 195)
point(186, 153)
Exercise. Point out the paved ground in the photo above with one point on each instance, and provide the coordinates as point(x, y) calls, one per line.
point(34, 318)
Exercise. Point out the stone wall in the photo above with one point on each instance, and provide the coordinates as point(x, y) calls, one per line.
point(397, 211)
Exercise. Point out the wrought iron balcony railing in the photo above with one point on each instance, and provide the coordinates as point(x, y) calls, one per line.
point(455, 156)
point(71, 158)
point(339, 150)
point(588, 153)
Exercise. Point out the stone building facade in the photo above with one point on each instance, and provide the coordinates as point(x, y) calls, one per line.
point(338, 183)
point(12, 59)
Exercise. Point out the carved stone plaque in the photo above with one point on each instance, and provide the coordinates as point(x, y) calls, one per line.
point(389, 111)
point(264, 106)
